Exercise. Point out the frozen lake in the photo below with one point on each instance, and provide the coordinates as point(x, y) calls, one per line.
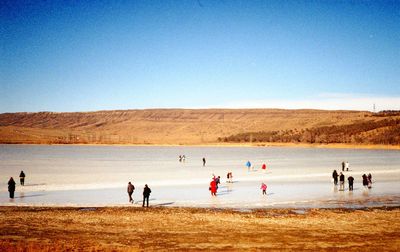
point(98, 175)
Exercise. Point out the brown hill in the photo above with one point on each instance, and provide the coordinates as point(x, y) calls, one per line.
point(192, 126)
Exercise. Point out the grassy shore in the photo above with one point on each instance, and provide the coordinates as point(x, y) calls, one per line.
point(133, 228)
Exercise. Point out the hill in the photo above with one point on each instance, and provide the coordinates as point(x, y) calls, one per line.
point(201, 126)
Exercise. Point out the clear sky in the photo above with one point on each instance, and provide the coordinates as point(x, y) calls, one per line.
point(103, 55)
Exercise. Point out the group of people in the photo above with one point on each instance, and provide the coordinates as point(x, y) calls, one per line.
point(182, 158)
point(251, 167)
point(146, 193)
point(215, 181)
point(11, 184)
point(345, 166)
point(367, 180)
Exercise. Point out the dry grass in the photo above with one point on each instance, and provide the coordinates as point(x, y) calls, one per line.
point(56, 229)
point(162, 126)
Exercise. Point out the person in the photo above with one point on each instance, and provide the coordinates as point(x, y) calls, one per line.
point(347, 166)
point(180, 158)
point(213, 188)
point(183, 158)
point(264, 167)
point(335, 177)
point(343, 165)
point(146, 195)
point(351, 180)
point(130, 190)
point(218, 181)
point(204, 161)
point(341, 179)
point(365, 180)
point(229, 177)
point(264, 188)
point(369, 180)
point(11, 187)
point(22, 178)
point(248, 164)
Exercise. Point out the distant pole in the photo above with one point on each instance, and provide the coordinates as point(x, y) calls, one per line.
point(374, 108)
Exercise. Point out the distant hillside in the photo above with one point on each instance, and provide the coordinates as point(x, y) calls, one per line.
point(200, 126)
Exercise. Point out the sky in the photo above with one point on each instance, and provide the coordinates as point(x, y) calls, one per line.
point(103, 55)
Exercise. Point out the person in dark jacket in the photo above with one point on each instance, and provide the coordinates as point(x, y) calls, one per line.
point(146, 195)
point(204, 161)
point(130, 190)
point(351, 180)
point(365, 180)
point(335, 177)
point(341, 179)
point(369, 181)
point(22, 178)
point(11, 187)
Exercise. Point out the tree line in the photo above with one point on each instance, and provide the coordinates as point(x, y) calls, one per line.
point(386, 131)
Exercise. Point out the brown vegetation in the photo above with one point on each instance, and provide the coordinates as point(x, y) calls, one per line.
point(386, 131)
point(199, 126)
point(131, 228)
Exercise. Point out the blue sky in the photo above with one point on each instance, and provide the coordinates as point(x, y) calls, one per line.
point(94, 55)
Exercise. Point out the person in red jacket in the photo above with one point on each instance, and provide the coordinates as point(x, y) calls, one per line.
point(264, 167)
point(213, 188)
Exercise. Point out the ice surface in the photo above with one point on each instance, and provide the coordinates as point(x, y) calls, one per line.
point(98, 175)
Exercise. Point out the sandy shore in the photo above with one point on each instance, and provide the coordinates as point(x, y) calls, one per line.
point(135, 228)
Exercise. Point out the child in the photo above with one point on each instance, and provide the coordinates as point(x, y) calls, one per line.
point(264, 188)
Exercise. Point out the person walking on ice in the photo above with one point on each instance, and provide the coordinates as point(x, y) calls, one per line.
point(146, 195)
point(22, 178)
point(351, 181)
point(11, 187)
point(248, 164)
point(130, 190)
point(341, 179)
point(264, 188)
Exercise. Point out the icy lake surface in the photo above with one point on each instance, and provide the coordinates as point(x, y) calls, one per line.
point(98, 175)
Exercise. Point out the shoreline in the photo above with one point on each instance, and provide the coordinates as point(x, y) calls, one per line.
point(234, 145)
point(161, 228)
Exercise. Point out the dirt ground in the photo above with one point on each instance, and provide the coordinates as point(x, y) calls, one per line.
point(134, 228)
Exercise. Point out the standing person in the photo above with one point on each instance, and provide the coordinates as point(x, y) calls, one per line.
point(347, 166)
point(213, 188)
point(11, 187)
point(204, 161)
point(230, 177)
point(369, 180)
point(343, 165)
point(218, 181)
point(130, 190)
point(341, 179)
point(335, 177)
point(264, 188)
point(248, 164)
point(180, 158)
point(183, 158)
point(146, 195)
point(22, 178)
point(351, 180)
point(264, 167)
point(365, 180)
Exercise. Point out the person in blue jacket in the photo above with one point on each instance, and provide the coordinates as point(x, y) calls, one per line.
point(248, 164)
